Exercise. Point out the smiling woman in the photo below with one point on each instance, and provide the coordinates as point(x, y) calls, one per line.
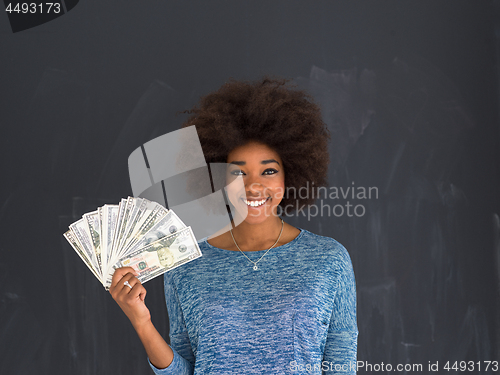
point(266, 297)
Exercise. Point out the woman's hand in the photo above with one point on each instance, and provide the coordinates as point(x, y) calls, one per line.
point(130, 299)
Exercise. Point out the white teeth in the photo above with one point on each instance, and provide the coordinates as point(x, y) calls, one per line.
point(255, 203)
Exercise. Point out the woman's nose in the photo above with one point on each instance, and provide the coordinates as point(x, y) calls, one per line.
point(253, 185)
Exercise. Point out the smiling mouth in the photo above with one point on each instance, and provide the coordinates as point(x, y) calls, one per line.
point(255, 203)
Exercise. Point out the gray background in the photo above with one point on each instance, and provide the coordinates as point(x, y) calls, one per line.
point(409, 90)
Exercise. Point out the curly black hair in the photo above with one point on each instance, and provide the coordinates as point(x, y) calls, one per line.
point(272, 112)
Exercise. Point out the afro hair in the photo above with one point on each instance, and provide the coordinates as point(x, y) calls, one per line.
point(272, 112)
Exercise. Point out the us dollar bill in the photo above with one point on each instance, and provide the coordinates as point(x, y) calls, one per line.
point(93, 223)
point(124, 222)
point(110, 212)
point(163, 255)
point(166, 226)
point(116, 238)
point(75, 244)
point(80, 231)
point(140, 207)
point(153, 218)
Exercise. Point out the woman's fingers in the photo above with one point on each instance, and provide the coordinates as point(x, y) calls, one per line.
point(128, 286)
point(137, 290)
point(129, 293)
point(141, 289)
point(120, 276)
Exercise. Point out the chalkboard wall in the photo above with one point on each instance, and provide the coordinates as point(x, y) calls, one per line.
point(409, 90)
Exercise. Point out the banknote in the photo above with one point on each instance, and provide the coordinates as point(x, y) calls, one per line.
point(167, 225)
point(137, 214)
point(76, 245)
point(135, 232)
point(154, 217)
point(110, 217)
point(163, 255)
point(122, 206)
point(129, 207)
point(93, 223)
point(81, 234)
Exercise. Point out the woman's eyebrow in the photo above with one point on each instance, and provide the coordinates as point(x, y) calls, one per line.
point(269, 161)
point(262, 162)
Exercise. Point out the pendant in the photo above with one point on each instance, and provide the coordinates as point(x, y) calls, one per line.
point(255, 268)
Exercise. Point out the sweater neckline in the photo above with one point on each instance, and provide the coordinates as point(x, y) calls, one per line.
point(302, 231)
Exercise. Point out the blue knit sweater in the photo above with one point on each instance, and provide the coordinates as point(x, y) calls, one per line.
point(296, 314)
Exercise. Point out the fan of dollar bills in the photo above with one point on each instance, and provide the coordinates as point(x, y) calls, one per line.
point(135, 233)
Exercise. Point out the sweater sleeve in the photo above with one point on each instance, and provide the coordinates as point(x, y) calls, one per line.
point(183, 362)
point(341, 343)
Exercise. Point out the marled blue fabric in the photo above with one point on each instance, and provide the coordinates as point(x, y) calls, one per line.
point(295, 315)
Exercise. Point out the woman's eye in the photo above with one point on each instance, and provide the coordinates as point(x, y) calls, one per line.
point(270, 171)
point(237, 172)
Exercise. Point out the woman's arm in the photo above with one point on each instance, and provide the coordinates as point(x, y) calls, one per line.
point(131, 301)
point(341, 344)
point(159, 352)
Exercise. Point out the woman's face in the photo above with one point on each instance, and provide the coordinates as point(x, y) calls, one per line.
point(261, 169)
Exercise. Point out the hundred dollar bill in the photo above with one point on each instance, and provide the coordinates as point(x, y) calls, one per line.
point(163, 255)
point(134, 206)
point(99, 215)
point(167, 226)
point(110, 215)
point(145, 213)
point(136, 214)
point(93, 223)
point(124, 222)
point(70, 237)
point(121, 210)
point(80, 232)
point(154, 217)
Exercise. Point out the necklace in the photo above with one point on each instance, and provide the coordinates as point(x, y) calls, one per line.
point(255, 268)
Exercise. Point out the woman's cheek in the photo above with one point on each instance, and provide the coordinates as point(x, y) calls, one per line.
point(235, 189)
point(279, 192)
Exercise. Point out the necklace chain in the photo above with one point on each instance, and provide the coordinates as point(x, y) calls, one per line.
point(255, 263)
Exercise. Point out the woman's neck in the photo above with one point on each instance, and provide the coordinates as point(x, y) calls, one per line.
point(259, 236)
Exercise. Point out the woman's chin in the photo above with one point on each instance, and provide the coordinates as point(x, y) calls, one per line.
point(252, 220)
point(259, 217)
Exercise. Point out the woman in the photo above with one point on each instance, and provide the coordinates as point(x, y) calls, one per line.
point(265, 297)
